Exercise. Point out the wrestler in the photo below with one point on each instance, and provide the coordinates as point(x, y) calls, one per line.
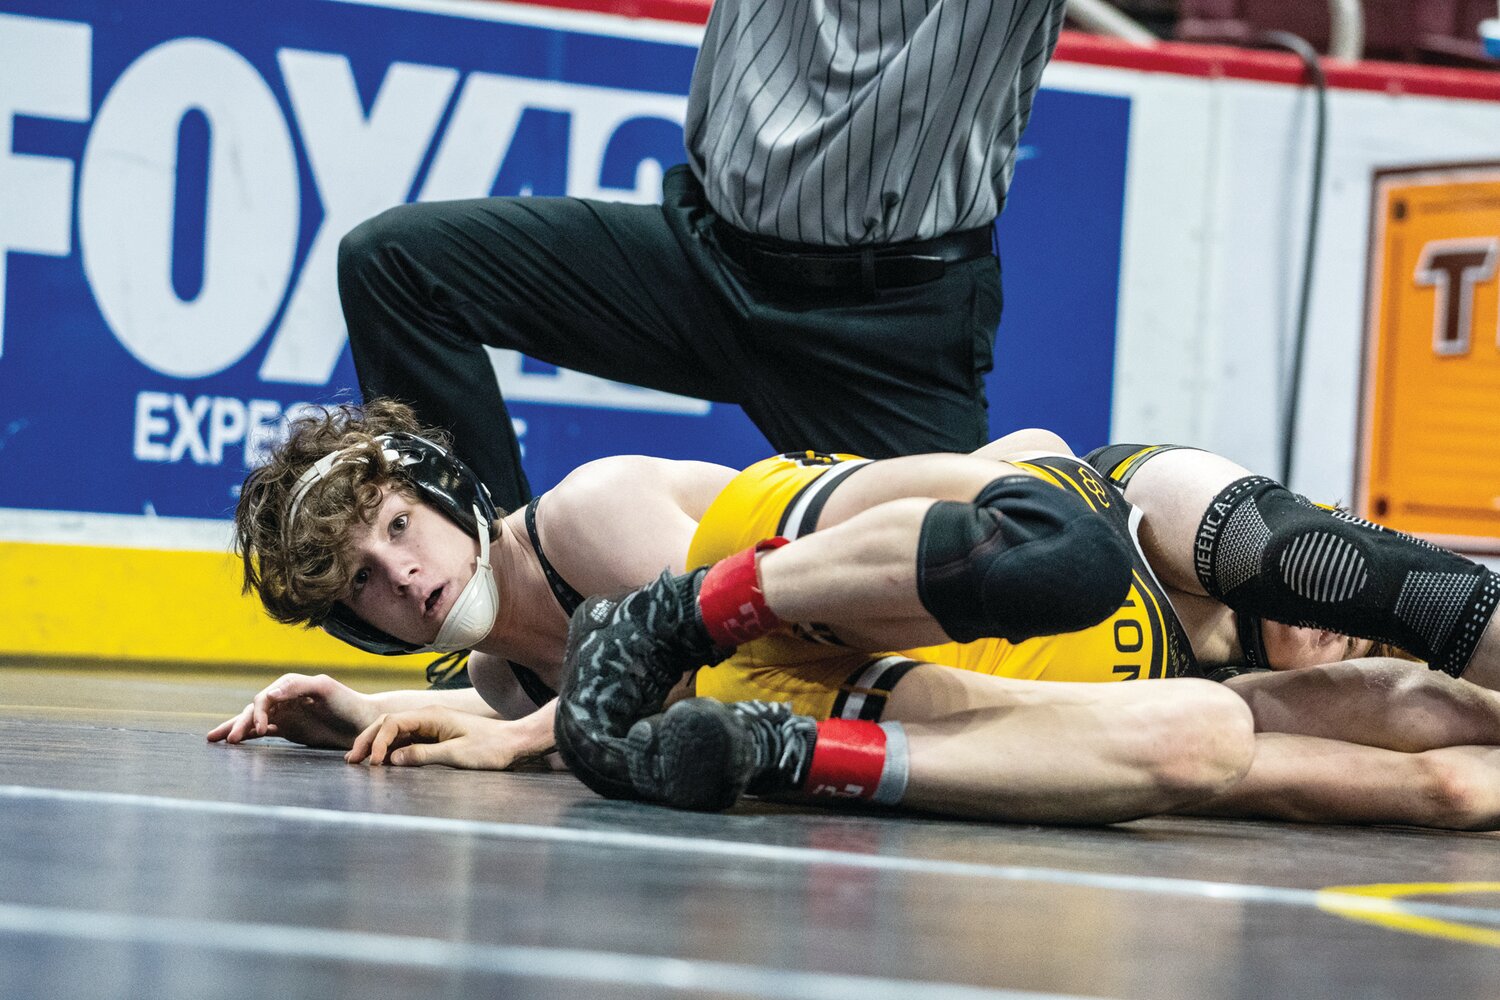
point(702, 756)
point(1416, 717)
point(361, 525)
point(336, 521)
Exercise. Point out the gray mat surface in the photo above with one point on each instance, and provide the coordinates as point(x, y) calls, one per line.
point(137, 860)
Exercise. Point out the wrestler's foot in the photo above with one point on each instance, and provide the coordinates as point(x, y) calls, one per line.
point(623, 656)
point(703, 755)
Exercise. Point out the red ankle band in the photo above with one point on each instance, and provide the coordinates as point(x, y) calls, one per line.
point(730, 600)
point(847, 760)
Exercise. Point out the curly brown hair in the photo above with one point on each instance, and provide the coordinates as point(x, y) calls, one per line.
point(300, 570)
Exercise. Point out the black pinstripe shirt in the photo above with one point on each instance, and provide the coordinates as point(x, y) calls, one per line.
point(841, 122)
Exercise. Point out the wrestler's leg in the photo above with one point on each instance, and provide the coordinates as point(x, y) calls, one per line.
point(1006, 749)
point(1172, 490)
point(859, 574)
point(858, 578)
point(1211, 527)
point(1013, 557)
point(1022, 558)
point(1380, 702)
point(960, 743)
point(1308, 779)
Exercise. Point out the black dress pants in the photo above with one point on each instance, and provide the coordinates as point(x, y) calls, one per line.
point(643, 294)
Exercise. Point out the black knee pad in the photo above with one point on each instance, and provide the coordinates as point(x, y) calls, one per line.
point(1263, 550)
point(1024, 559)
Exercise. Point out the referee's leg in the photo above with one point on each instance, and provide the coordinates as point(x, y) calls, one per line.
point(597, 287)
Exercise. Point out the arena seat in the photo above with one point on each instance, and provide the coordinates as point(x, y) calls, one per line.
point(1443, 31)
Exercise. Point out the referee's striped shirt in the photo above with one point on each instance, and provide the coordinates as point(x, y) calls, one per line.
point(839, 122)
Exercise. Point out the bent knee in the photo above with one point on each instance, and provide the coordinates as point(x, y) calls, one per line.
point(1456, 794)
point(1041, 439)
point(1024, 559)
point(361, 246)
point(1024, 442)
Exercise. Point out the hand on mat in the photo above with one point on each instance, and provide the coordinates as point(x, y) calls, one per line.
point(314, 711)
point(436, 735)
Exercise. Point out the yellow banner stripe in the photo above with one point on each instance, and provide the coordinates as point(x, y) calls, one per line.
point(86, 602)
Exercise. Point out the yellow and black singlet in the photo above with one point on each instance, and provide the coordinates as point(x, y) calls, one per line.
point(784, 495)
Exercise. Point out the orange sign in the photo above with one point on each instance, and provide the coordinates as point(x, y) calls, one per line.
point(1429, 451)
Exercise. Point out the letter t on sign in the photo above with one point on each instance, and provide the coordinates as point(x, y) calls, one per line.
point(1454, 268)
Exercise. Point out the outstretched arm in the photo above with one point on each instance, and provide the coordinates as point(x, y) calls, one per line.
point(1386, 703)
point(321, 712)
point(1306, 779)
point(437, 735)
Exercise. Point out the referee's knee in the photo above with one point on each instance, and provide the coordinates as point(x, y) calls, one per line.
point(360, 249)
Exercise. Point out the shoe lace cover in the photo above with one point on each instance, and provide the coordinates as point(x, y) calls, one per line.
point(783, 745)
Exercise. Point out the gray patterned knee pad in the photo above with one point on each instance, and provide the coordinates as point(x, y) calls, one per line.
point(1266, 551)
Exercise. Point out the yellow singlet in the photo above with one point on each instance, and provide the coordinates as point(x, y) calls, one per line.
point(804, 665)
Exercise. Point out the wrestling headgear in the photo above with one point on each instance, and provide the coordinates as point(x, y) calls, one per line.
point(449, 486)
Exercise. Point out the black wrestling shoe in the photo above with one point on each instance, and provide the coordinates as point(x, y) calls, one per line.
point(623, 656)
point(701, 754)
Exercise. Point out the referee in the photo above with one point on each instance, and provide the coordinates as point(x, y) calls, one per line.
point(824, 258)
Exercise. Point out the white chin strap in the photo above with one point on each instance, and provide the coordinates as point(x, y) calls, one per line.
point(473, 614)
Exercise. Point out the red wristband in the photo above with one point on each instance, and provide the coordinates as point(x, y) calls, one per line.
point(730, 600)
point(848, 760)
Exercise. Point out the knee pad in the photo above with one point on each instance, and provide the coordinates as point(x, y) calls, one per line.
point(1024, 559)
point(1266, 551)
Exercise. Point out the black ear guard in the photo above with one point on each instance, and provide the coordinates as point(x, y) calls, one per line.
point(452, 488)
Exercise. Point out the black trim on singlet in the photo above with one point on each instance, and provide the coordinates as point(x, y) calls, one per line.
point(878, 691)
point(536, 689)
point(1252, 640)
point(565, 594)
point(807, 518)
point(1111, 456)
point(567, 598)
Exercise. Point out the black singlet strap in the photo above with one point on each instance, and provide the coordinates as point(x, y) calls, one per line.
point(565, 594)
point(801, 515)
point(536, 689)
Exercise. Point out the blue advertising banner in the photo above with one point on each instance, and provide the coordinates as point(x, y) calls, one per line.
point(175, 177)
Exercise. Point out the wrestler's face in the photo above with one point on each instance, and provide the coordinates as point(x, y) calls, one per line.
point(1289, 647)
point(409, 566)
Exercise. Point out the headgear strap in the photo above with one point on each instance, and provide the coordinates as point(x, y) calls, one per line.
point(320, 469)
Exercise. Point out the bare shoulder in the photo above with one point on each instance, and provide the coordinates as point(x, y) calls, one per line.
point(618, 521)
point(607, 485)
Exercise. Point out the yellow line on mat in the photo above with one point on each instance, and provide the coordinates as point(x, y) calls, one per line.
point(1358, 902)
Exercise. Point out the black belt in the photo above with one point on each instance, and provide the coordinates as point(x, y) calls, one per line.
point(889, 265)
